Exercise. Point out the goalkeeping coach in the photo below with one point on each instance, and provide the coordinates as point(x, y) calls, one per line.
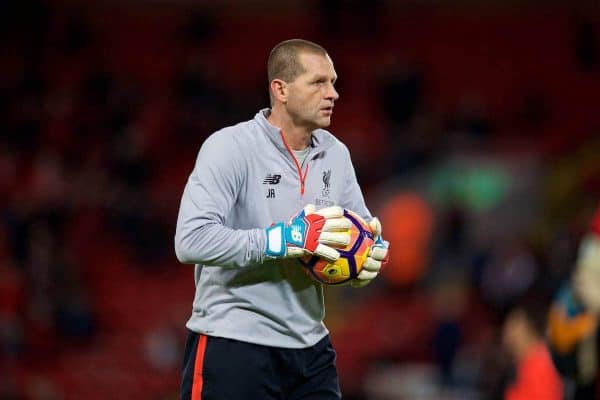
point(256, 330)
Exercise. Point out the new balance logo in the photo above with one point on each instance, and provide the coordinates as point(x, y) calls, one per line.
point(272, 179)
point(297, 234)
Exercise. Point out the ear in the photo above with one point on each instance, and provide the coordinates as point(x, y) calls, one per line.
point(279, 90)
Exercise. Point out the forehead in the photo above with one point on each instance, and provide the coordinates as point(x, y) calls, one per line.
point(317, 64)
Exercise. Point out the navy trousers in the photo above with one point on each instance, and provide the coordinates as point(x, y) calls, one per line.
point(216, 368)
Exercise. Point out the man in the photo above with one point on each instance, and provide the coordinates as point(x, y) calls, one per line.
point(523, 335)
point(256, 330)
point(573, 319)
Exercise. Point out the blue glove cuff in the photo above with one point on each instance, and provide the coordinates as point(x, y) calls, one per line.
point(275, 240)
point(381, 243)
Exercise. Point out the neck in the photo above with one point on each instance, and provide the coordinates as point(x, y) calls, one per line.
point(525, 346)
point(297, 137)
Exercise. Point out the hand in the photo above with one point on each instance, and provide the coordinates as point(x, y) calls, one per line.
point(376, 260)
point(586, 278)
point(310, 233)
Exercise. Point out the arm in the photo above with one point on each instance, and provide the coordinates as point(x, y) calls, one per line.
point(201, 235)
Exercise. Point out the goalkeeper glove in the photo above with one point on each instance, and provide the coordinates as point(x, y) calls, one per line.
point(377, 259)
point(310, 232)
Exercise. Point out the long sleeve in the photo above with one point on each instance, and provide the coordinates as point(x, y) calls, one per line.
point(536, 378)
point(202, 235)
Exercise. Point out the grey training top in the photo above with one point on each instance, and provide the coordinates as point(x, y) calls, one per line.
point(244, 180)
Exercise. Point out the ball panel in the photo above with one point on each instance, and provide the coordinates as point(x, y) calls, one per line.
point(357, 220)
point(332, 273)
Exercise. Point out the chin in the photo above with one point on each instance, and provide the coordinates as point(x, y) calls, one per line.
point(324, 123)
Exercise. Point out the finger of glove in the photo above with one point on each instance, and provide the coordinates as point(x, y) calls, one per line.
point(375, 226)
point(331, 212)
point(327, 253)
point(366, 275)
point(309, 209)
point(336, 239)
point(337, 224)
point(372, 265)
point(378, 252)
point(295, 252)
point(357, 284)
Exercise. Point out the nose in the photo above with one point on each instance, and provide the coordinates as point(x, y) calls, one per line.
point(331, 93)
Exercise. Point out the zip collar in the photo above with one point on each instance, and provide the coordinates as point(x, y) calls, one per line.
point(320, 141)
point(320, 138)
point(301, 176)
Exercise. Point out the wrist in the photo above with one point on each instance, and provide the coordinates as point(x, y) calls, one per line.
point(275, 240)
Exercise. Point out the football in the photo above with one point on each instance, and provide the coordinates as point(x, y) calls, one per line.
point(352, 257)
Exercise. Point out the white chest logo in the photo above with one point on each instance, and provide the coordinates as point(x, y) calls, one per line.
point(326, 183)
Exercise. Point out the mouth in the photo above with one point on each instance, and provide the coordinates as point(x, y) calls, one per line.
point(327, 110)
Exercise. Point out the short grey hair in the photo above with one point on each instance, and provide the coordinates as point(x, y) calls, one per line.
point(284, 61)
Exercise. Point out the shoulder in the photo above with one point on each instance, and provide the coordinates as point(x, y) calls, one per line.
point(226, 148)
point(328, 141)
point(233, 140)
point(234, 135)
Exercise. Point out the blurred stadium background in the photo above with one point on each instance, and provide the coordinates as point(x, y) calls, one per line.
point(474, 130)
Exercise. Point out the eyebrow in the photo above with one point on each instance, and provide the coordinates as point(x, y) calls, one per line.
point(324, 77)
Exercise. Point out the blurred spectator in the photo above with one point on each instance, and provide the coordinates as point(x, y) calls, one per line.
point(510, 272)
point(162, 348)
point(573, 319)
point(412, 128)
point(200, 27)
point(586, 45)
point(8, 388)
point(523, 336)
point(12, 301)
point(497, 369)
point(401, 92)
point(399, 323)
point(76, 35)
point(534, 111)
point(449, 301)
point(470, 120)
point(42, 388)
point(413, 221)
point(357, 19)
